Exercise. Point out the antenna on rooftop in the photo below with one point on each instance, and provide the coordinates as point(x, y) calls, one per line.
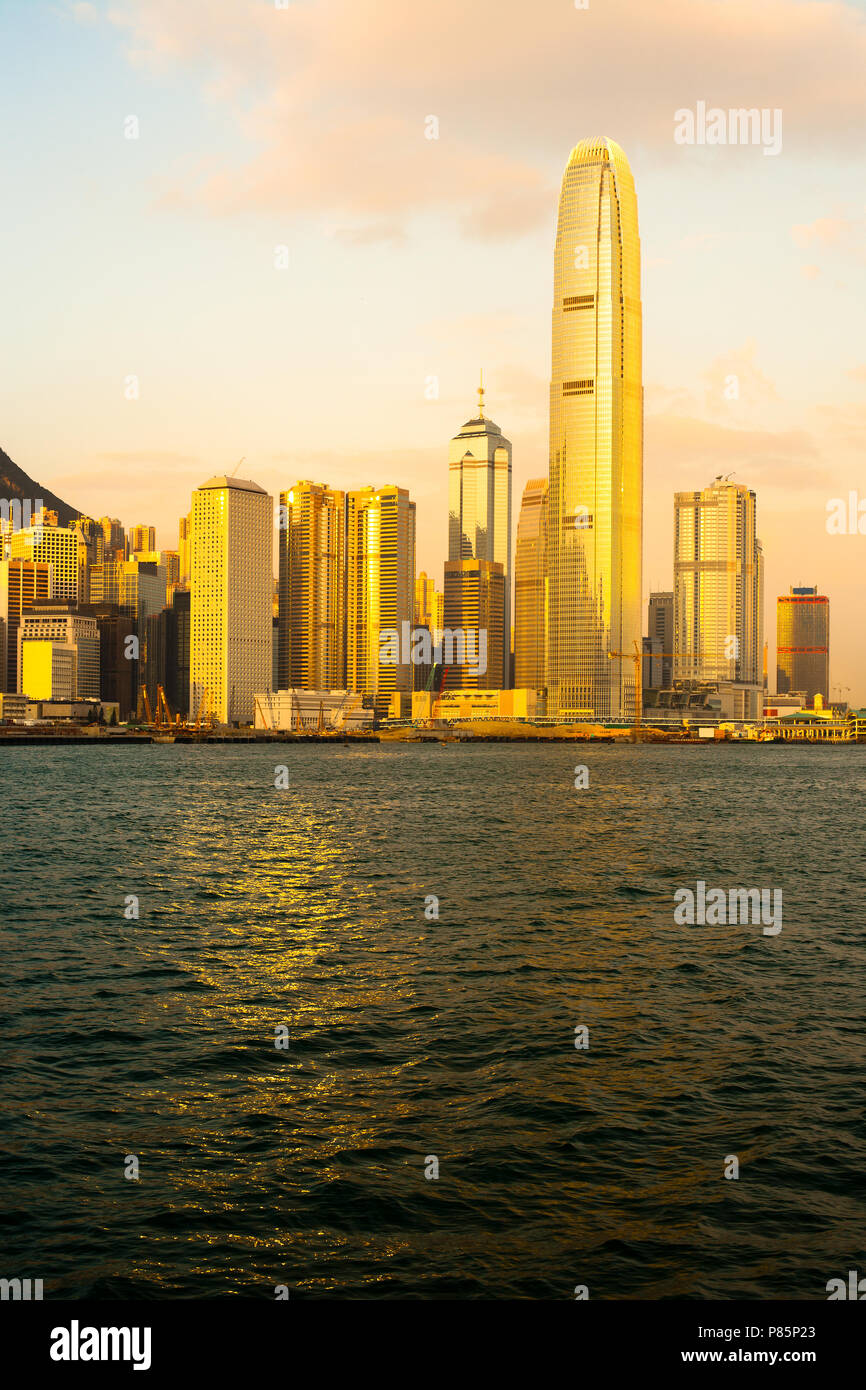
point(237, 466)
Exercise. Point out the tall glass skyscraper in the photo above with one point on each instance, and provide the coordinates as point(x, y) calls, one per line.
point(479, 528)
point(596, 439)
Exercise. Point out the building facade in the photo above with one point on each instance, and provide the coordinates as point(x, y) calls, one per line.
point(660, 631)
point(54, 546)
point(475, 611)
point(595, 502)
point(57, 625)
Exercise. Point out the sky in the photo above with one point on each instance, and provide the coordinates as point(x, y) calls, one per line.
point(228, 236)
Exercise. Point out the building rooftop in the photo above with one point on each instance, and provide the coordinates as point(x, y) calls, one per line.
point(241, 484)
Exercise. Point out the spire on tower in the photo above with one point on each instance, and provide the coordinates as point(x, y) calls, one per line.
point(481, 397)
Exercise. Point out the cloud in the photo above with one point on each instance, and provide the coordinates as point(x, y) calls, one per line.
point(333, 95)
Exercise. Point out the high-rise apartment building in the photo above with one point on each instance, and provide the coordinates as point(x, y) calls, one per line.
point(718, 586)
point(595, 501)
point(142, 538)
point(232, 581)
point(530, 588)
point(803, 643)
point(479, 511)
point(23, 584)
point(55, 546)
point(380, 589)
point(312, 588)
point(115, 538)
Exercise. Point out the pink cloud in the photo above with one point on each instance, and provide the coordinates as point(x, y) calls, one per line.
point(333, 96)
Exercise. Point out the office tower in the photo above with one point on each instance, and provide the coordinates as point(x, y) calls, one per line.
point(115, 538)
point(184, 537)
point(660, 630)
point(231, 583)
point(479, 510)
point(142, 538)
point(530, 588)
point(104, 587)
point(177, 651)
point(380, 587)
point(312, 588)
point(23, 584)
point(718, 586)
point(141, 589)
point(475, 609)
point(55, 546)
point(595, 501)
point(118, 668)
point(803, 643)
point(57, 627)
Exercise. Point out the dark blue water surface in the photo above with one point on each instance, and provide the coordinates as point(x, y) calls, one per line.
point(411, 1038)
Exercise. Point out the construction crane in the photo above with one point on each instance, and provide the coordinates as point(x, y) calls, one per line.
point(163, 708)
point(144, 699)
point(637, 657)
point(204, 701)
point(266, 722)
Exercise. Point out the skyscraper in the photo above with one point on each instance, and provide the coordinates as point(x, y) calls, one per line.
point(380, 589)
point(596, 439)
point(803, 642)
point(718, 586)
point(479, 512)
point(312, 588)
point(232, 583)
point(530, 588)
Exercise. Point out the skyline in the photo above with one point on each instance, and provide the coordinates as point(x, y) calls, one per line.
point(257, 370)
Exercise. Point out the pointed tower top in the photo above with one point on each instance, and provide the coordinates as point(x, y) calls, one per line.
point(481, 397)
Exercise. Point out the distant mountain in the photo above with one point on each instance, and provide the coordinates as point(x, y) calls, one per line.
point(14, 482)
